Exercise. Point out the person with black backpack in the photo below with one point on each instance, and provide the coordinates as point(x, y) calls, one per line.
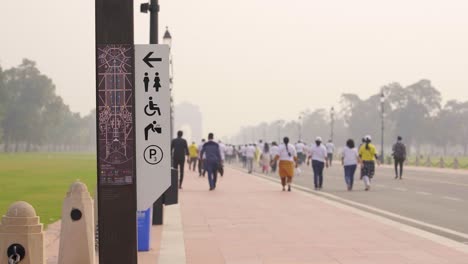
point(399, 155)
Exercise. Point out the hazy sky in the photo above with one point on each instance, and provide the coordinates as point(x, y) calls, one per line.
point(248, 61)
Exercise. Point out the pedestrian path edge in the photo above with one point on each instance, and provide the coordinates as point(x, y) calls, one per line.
point(172, 249)
point(406, 228)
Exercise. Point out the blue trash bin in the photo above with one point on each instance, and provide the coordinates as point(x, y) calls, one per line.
point(144, 229)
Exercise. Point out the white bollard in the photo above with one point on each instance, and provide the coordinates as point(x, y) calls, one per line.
point(77, 232)
point(21, 236)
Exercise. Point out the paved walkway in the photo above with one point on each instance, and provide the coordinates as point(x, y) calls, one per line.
point(250, 220)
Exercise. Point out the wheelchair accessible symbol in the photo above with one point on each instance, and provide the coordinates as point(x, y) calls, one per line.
point(151, 108)
point(153, 154)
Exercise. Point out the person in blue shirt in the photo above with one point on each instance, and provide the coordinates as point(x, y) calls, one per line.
point(211, 154)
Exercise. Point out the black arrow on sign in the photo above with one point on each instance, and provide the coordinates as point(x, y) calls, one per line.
point(147, 59)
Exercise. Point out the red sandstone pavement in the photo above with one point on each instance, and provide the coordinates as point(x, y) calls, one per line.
point(250, 220)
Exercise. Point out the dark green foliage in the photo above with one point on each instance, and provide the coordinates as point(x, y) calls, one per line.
point(33, 117)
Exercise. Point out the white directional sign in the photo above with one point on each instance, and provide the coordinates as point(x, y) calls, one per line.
point(152, 123)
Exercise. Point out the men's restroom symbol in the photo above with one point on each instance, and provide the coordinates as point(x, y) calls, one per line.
point(146, 81)
point(151, 108)
point(154, 127)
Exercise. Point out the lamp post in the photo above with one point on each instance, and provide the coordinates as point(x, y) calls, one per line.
point(332, 122)
point(279, 131)
point(167, 39)
point(300, 126)
point(153, 8)
point(382, 102)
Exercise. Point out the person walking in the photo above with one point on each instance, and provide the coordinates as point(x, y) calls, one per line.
point(222, 150)
point(201, 168)
point(211, 155)
point(274, 150)
point(349, 160)
point(318, 154)
point(330, 149)
point(368, 156)
point(250, 155)
point(229, 153)
point(266, 158)
point(243, 152)
point(287, 157)
point(179, 150)
point(258, 152)
point(193, 156)
point(399, 156)
point(301, 156)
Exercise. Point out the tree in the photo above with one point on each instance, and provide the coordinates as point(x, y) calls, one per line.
point(30, 92)
point(418, 106)
point(31, 114)
point(3, 100)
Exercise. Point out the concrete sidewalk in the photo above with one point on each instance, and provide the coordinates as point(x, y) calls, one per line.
point(250, 220)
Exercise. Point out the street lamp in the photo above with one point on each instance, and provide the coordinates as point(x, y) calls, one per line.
point(300, 126)
point(332, 122)
point(167, 39)
point(153, 8)
point(382, 102)
point(279, 131)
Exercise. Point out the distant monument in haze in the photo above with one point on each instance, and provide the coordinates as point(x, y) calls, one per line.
point(188, 115)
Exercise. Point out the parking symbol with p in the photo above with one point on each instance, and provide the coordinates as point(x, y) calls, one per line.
point(153, 154)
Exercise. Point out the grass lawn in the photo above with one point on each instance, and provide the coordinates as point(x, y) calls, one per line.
point(43, 179)
point(462, 161)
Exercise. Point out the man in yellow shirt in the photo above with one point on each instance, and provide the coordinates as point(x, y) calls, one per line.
point(193, 156)
point(368, 155)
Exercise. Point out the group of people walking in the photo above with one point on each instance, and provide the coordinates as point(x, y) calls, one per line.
point(209, 155)
point(289, 158)
point(285, 158)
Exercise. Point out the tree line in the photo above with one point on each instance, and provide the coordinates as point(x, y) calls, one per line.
point(415, 112)
point(34, 118)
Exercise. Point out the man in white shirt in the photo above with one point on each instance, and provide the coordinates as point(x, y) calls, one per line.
point(318, 154)
point(300, 152)
point(330, 149)
point(222, 150)
point(201, 169)
point(229, 153)
point(274, 150)
point(244, 158)
point(250, 154)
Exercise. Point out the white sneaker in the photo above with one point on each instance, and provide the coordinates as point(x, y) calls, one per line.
point(299, 171)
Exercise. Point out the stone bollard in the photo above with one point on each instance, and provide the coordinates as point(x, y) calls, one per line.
point(441, 163)
point(77, 232)
point(417, 161)
point(456, 164)
point(21, 236)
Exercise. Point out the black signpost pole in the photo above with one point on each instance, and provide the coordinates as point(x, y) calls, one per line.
point(153, 9)
point(158, 207)
point(115, 132)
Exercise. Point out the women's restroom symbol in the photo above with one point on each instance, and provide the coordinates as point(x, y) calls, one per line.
point(157, 82)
